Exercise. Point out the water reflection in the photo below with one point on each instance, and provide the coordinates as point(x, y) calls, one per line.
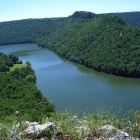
point(72, 86)
point(110, 78)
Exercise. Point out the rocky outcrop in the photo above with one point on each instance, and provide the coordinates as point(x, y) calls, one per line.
point(34, 127)
point(115, 134)
point(35, 130)
point(38, 130)
point(108, 132)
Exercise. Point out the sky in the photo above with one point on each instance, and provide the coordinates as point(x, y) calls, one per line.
point(23, 9)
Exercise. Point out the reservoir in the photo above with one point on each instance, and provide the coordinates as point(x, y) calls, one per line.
point(74, 87)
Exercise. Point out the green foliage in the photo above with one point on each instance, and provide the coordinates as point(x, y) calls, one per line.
point(12, 128)
point(82, 15)
point(27, 31)
point(18, 92)
point(28, 63)
point(132, 18)
point(102, 42)
point(7, 61)
point(17, 66)
point(105, 43)
point(75, 127)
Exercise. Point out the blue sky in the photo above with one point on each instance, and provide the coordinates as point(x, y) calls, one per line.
point(22, 9)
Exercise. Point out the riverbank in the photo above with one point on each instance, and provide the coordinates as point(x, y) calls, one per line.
point(67, 126)
point(102, 42)
point(72, 86)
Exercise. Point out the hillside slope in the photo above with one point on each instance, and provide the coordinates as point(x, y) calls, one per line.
point(103, 42)
point(28, 30)
point(18, 92)
point(132, 18)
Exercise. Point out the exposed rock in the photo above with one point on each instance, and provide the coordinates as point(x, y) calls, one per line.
point(122, 133)
point(115, 134)
point(107, 129)
point(122, 138)
point(38, 129)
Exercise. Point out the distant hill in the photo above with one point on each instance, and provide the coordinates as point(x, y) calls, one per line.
point(132, 18)
point(28, 30)
point(83, 15)
point(103, 42)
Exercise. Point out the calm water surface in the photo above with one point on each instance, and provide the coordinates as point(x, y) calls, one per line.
point(72, 86)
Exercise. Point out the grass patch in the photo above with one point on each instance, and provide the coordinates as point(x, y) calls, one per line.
point(77, 128)
point(17, 66)
point(72, 127)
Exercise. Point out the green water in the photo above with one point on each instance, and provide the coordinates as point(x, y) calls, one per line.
point(71, 86)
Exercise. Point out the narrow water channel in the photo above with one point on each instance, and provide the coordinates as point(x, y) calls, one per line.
point(72, 86)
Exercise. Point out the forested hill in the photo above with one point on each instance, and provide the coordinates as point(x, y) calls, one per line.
point(132, 18)
point(102, 42)
point(18, 91)
point(28, 30)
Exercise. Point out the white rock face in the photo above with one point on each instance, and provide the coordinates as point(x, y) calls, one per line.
point(122, 133)
point(118, 135)
point(107, 129)
point(34, 127)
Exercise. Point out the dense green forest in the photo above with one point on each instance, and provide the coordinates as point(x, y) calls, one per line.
point(29, 30)
point(18, 92)
point(103, 42)
point(132, 18)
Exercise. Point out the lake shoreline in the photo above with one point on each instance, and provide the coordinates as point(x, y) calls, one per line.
point(75, 87)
